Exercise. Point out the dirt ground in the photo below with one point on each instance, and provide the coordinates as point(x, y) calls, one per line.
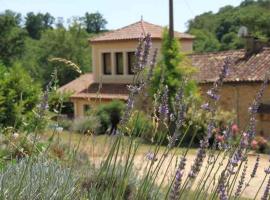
point(96, 147)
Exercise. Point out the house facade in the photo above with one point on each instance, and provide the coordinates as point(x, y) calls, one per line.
point(113, 55)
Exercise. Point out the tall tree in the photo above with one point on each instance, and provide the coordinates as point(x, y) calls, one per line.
point(36, 23)
point(18, 95)
point(172, 69)
point(94, 22)
point(12, 37)
point(70, 44)
point(224, 25)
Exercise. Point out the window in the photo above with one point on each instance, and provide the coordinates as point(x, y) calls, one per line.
point(107, 63)
point(86, 108)
point(131, 61)
point(119, 63)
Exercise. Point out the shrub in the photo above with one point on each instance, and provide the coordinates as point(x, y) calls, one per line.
point(19, 95)
point(39, 179)
point(109, 113)
point(88, 124)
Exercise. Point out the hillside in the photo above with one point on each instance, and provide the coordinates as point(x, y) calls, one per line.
point(219, 31)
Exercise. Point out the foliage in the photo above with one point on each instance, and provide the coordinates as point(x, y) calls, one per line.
point(61, 43)
point(141, 125)
point(94, 22)
point(12, 37)
point(218, 31)
point(36, 23)
point(88, 124)
point(19, 95)
point(41, 179)
point(109, 113)
point(172, 70)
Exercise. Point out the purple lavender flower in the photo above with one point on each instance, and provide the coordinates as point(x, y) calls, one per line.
point(266, 191)
point(151, 156)
point(212, 94)
point(147, 47)
point(44, 104)
point(201, 154)
point(142, 53)
point(164, 105)
point(222, 186)
point(178, 179)
point(152, 65)
point(255, 168)
point(241, 181)
point(180, 109)
point(206, 106)
point(129, 107)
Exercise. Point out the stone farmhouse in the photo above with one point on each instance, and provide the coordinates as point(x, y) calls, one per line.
point(113, 55)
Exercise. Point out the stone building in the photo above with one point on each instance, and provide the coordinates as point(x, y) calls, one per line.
point(113, 54)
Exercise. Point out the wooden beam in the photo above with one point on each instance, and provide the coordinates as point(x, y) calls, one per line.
point(171, 23)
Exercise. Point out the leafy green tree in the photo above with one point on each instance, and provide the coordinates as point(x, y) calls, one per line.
point(71, 44)
point(94, 22)
point(173, 68)
point(12, 37)
point(36, 23)
point(19, 94)
point(205, 41)
point(225, 25)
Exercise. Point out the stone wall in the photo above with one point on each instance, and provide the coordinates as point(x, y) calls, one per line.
point(238, 97)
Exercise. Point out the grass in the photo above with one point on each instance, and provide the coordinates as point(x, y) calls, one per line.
point(98, 143)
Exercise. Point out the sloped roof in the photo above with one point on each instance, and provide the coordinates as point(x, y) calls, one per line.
point(78, 84)
point(104, 91)
point(135, 30)
point(250, 69)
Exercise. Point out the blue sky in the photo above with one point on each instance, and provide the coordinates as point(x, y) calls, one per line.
point(121, 12)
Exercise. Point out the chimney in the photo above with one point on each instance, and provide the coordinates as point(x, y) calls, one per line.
point(253, 45)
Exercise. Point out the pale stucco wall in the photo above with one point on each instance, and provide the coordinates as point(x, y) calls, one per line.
point(121, 46)
point(238, 97)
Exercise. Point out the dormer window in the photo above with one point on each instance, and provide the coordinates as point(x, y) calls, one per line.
point(107, 63)
point(131, 61)
point(119, 62)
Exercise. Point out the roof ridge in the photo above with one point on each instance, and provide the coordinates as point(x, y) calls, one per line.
point(143, 28)
point(217, 52)
point(112, 31)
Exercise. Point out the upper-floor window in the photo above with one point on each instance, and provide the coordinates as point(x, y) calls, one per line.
point(119, 62)
point(107, 63)
point(131, 61)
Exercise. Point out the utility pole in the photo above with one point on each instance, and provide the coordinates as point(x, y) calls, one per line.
point(171, 29)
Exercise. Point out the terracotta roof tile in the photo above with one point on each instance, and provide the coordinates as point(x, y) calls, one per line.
point(243, 70)
point(134, 31)
point(78, 84)
point(105, 91)
point(252, 69)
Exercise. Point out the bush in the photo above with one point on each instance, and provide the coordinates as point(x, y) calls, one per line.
point(39, 179)
point(109, 113)
point(88, 124)
point(140, 125)
point(19, 95)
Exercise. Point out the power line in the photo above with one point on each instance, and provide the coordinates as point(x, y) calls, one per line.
point(189, 8)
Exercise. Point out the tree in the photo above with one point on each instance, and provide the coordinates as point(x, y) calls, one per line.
point(71, 44)
point(172, 69)
point(36, 23)
point(225, 24)
point(12, 37)
point(205, 41)
point(94, 22)
point(19, 94)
